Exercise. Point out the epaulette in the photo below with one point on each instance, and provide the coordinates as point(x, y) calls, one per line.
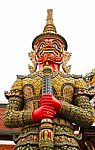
point(16, 93)
point(86, 86)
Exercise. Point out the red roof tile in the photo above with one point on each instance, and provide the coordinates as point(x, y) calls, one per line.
point(6, 147)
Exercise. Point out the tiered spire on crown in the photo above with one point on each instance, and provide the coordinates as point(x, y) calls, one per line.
point(50, 27)
point(49, 31)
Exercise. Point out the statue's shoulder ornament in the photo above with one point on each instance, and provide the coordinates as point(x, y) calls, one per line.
point(90, 82)
point(86, 85)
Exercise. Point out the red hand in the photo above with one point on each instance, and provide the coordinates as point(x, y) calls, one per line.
point(43, 112)
point(50, 100)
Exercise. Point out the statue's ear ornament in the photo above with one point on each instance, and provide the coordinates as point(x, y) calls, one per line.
point(66, 57)
point(66, 69)
point(31, 68)
point(32, 56)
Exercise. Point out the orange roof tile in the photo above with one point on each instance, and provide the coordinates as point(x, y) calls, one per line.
point(6, 147)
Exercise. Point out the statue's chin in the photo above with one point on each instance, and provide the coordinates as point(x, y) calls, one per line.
point(52, 64)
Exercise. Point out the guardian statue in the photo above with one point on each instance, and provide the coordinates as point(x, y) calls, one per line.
point(48, 102)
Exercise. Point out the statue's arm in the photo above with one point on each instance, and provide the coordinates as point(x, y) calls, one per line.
point(15, 115)
point(79, 113)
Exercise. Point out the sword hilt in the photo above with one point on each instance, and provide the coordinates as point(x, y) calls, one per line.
point(46, 134)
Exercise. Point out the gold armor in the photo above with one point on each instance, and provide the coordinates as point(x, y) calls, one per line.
point(23, 99)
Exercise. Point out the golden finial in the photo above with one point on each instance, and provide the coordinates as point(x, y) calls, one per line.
point(50, 27)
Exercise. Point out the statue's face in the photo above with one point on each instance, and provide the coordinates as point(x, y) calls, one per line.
point(49, 50)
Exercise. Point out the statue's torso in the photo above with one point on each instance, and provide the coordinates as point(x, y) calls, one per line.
point(63, 90)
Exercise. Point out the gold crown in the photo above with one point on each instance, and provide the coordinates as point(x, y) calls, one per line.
point(49, 31)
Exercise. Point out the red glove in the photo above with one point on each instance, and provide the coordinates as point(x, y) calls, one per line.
point(43, 112)
point(50, 100)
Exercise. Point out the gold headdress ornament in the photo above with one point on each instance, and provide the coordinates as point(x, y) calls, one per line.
point(49, 31)
point(50, 27)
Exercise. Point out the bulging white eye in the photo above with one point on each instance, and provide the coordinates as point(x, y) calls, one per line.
point(41, 46)
point(55, 45)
